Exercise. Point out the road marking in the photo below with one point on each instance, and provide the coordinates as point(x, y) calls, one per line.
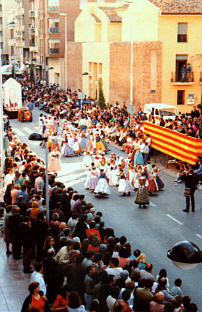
point(19, 133)
point(75, 182)
point(28, 129)
point(198, 235)
point(169, 216)
point(153, 205)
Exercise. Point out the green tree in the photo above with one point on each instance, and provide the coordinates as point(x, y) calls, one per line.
point(101, 99)
point(32, 72)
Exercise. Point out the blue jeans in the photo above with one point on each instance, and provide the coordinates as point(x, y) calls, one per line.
point(88, 299)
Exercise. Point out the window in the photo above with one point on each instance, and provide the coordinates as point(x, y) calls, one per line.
point(100, 68)
point(54, 46)
point(180, 97)
point(12, 33)
point(90, 66)
point(53, 25)
point(182, 32)
point(181, 61)
point(12, 50)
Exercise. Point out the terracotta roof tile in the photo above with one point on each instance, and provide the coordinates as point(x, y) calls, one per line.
point(179, 6)
point(96, 18)
point(111, 14)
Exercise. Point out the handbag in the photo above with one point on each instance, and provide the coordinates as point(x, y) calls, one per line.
point(187, 192)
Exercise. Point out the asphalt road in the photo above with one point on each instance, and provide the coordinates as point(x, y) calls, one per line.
point(153, 230)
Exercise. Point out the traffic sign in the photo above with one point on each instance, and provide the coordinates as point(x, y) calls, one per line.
point(131, 109)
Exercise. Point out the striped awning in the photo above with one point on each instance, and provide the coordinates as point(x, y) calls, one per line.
point(175, 144)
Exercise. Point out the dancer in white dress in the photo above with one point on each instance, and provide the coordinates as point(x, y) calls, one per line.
point(94, 178)
point(102, 187)
point(124, 185)
point(87, 160)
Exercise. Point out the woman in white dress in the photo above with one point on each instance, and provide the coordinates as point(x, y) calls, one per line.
point(102, 187)
point(137, 175)
point(113, 176)
point(54, 164)
point(124, 185)
point(87, 160)
point(88, 176)
point(94, 178)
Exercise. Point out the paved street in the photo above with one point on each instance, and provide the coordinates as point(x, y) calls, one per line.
point(153, 230)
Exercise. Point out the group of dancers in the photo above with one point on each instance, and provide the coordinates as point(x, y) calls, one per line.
point(128, 175)
point(113, 171)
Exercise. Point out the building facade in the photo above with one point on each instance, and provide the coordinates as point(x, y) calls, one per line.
point(167, 45)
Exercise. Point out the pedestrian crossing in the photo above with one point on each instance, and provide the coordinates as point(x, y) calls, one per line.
point(25, 131)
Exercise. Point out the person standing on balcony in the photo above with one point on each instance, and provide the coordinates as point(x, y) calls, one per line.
point(183, 72)
point(189, 70)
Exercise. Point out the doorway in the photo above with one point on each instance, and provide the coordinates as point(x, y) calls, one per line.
point(181, 60)
point(180, 97)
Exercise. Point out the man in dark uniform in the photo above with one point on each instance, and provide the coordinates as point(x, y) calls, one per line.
point(191, 185)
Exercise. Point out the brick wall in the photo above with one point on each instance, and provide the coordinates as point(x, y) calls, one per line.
point(74, 65)
point(143, 75)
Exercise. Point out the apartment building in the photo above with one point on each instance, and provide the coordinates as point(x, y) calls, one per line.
point(165, 38)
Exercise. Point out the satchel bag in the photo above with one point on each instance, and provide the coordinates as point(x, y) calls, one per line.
point(187, 192)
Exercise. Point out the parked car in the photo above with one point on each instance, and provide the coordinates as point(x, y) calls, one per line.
point(163, 110)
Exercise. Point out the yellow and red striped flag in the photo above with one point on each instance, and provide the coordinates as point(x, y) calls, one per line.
point(177, 145)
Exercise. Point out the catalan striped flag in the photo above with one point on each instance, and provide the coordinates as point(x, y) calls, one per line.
point(175, 144)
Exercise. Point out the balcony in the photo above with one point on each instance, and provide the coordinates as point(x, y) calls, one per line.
point(53, 30)
point(32, 14)
point(54, 9)
point(20, 43)
point(11, 42)
point(33, 49)
point(177, 80)
point(53, 50)
point(32, 30)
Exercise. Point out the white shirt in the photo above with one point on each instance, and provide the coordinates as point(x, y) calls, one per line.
point(39, 184)
point(38, 277)
point(146, 149)
point(114, 271)
point(110, 303)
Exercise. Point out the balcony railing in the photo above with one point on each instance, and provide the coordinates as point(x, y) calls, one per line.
point(54, 9)
point(53, 50)
point(32, 30)
point(11, 41)
point(54, 29)
point(188, 77)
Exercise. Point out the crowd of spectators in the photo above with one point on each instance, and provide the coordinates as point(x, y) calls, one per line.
point(79, 264)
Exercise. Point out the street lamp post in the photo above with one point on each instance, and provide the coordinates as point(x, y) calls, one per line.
point(66, 66)
point(38, 137)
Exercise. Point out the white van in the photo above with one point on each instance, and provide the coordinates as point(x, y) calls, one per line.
point(163, 110)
